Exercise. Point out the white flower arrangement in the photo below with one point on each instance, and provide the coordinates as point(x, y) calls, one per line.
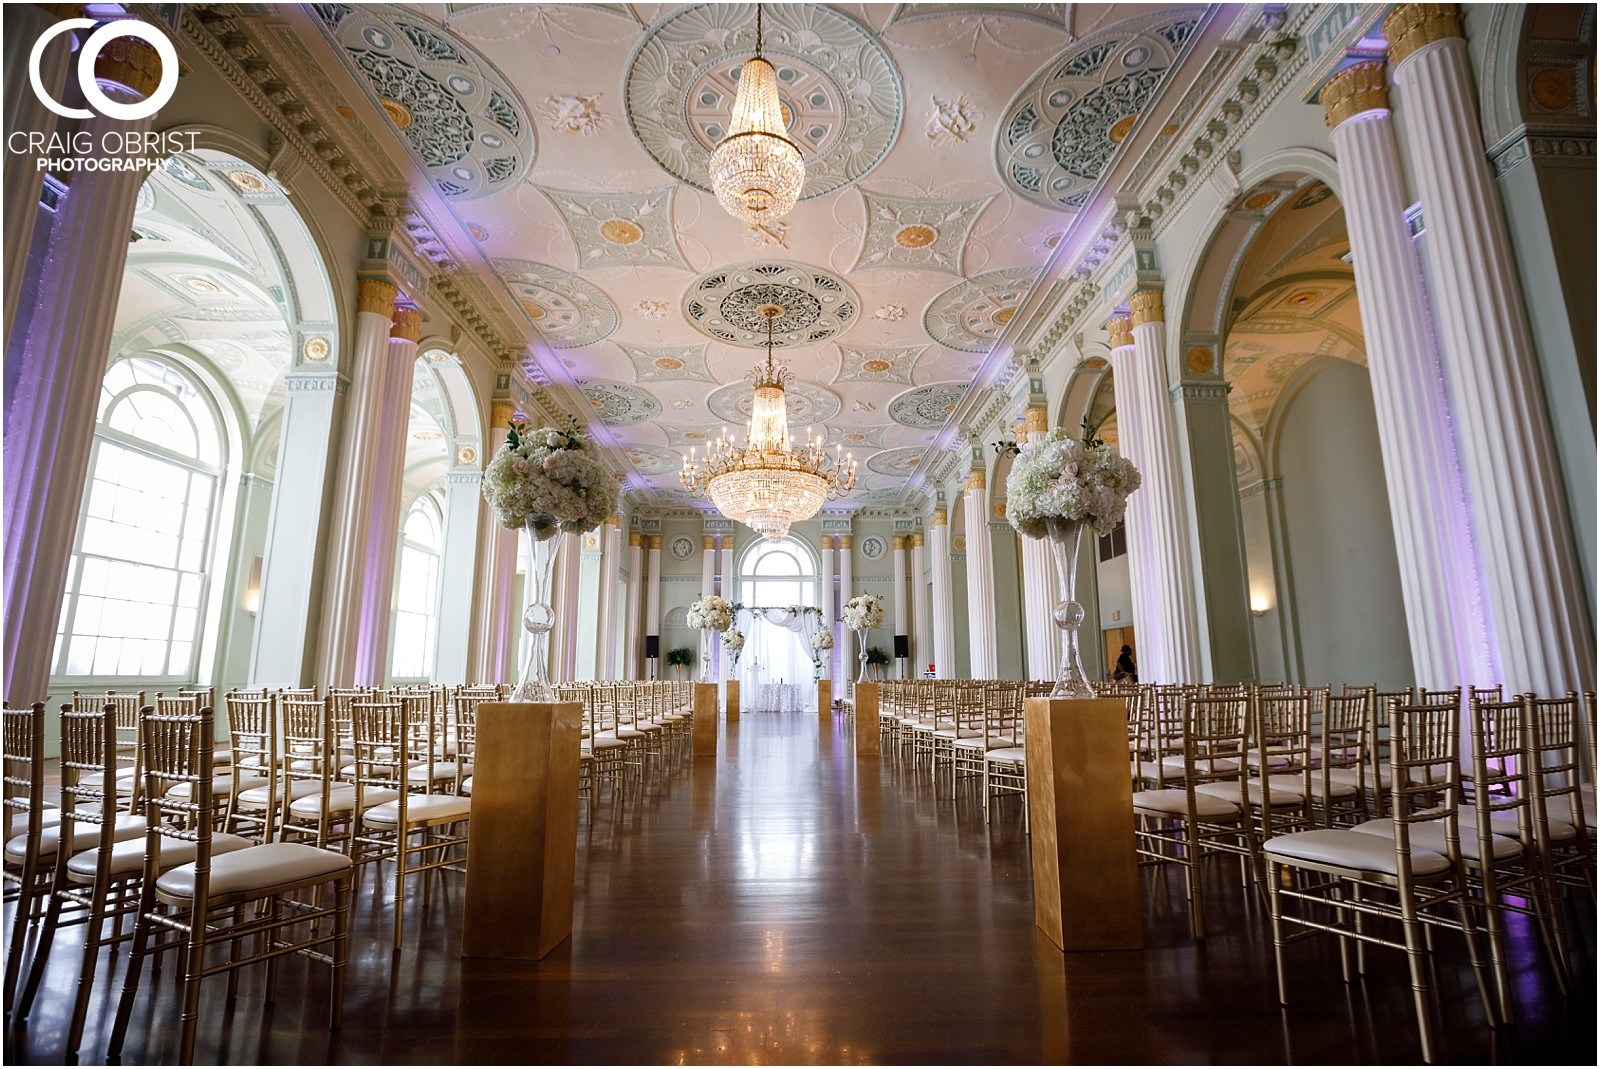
point(1067, 478)
point(711, 613)
point(548, 472)
point(822, 640)
point(733, 640)
point(863, 612)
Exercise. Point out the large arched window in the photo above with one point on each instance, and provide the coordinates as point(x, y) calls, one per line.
point(416, 597)
point(778, 574)
point(136, 584)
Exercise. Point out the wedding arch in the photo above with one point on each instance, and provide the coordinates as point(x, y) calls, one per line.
point(777, 593)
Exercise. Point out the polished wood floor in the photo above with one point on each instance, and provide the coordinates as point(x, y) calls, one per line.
point(788, 904)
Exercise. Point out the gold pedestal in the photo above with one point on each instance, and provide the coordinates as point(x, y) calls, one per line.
point(867, 744)
point(733, 700)
point(522, 853)
point(704, 738)
point(825, 699)
point(1080, 804)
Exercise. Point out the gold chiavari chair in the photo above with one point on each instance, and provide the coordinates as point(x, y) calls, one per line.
point(128, 707)
point(1563, 798)
point(27, 865)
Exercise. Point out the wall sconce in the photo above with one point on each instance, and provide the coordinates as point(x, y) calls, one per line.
point(1259, 605)
point(252, 590)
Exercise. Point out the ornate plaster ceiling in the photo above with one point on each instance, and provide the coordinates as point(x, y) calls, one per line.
point(917, 244)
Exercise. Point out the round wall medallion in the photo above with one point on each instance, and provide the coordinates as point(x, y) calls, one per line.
point(1198, 359)
point(466, 455)
point(959, 543)
point(727, 304)
point(1000, 510)
point(872, 547)
point(316, 349)
point(682, 548)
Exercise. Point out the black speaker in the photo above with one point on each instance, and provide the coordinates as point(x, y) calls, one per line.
point(652, 647)
point(902, 645)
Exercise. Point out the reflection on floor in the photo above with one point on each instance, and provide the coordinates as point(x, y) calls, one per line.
point(787, 904)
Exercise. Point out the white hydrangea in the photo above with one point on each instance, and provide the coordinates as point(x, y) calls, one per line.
point(711, 613)
point(822, 640)
point(1062, 477)
point(733, 640)
point(863, 612)
point(548, 472)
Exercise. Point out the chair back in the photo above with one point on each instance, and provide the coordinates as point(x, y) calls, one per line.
point(1555, 753)
point(1342, 743)
point(1215, 741)
point(22, 743)
point(88, 778)
point(177, 792)
point(1424, 774)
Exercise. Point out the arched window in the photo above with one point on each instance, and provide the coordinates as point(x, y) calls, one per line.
point(416, 599)
point(776, 574)
point(136, 584)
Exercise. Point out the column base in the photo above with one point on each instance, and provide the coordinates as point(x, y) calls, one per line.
point(867, 744)
point(704, 738)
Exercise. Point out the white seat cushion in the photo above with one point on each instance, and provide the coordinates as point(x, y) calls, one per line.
point(1506, 824)
point(1228, 791)
point(84, 837)
point(1352, 850)
point(1292, 785)
point(1008, 755)
point(442, 771)
point(466, 785)
point(124, 780)
point(127, 858)
point(1174, 802)
point(1560, 808)
point(421, 809)
point(1429, 835)
point(341, 799)
point(257, 869)
point(257, 796)
point(221, 786)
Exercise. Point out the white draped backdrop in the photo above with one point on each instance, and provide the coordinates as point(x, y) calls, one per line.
point(775, 669)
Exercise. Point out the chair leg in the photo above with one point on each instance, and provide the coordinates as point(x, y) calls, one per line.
point(41, 957)
point(1275, 910)
point(26, 895)
point(1417, 958)
point(340, 952)
point(91, 957)
point(130, 983)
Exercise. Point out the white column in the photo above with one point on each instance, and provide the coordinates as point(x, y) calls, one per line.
point(652, 603)
point(726, 582)
point(1168, 589)
point(498, 620)
point(846, 639)
point(921, 636)
point(462, 503)
point(569, 576)
point(1534, 587)
point(1143, 569)
point(980, 578)
point(830, 605)
point(632, 644)
point(53, 378)
point(386, 452)
point(902, 606)
point(1439, 573)
point(610, 593)
point(1038, 586)
point(348, 548)
point(708, 585)
point(944, 625)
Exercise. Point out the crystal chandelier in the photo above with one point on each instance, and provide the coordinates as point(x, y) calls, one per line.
point(757, 172)
point(767, 484)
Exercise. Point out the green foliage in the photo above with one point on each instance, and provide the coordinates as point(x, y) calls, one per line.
point(681, 656)
point(875, 655)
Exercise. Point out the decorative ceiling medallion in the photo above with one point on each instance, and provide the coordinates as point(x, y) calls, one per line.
point(458, 113)
point(856, 437)
point(466, 455)
point(807, 403)
point(877, 363)
point(890, 313)
point(247, 181)
point(1315, 194)
point(841, 93)
point(1060, 134)
point(725, 304)
point(575, 114)
point(620, 229)
point(897, 462)
point(649, 309)
point(917, 232)
point(619, 405)
point(928, 407)
point(951, 122)
point(315, 349)
point(652, 460)
point(669, 363)
point(568, 310)
point(971, 315)
point(686, 437)
point(1257, 201)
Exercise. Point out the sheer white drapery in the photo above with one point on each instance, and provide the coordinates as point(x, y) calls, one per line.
point(776, 669)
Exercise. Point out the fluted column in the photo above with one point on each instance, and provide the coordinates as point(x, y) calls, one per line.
point(1167, 589)
point(847, 637)
point(726, 580)
point(830, 603)
point(1544, 628)
point(980, 577)
point(708, 585)
point(632, 645)
point(902, 606)
point(1038, 582)
point(921, 637)
point(652, 603)
point(385, 451)
point(24, 111)
point(53, 378)
point(1433, 525)
point(610, 551)
point(944, 624)
point(569, 577)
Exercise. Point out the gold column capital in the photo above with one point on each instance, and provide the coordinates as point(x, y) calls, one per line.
point(976, 480)
point(708, 542)
point(375, 295)
point(940, 518)
point(131, 63)
point(613, 520)
point(501, 415)
point(1120, 331)
point(846, 541)
point(1036, 420)
point(916, 540)
point(827, 542)
point(1147, 307)
point(1410, 26)
point(635, 538)
point(1358, 88)
point(407, 325)
point(654, 541)
point(900, 542)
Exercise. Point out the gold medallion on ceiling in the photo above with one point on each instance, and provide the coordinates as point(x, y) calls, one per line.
point(1198, 359)
point(534, 311)
point(621, 231)
point(876, 365)
point(246, 181)
point(1304, 297)
point(917, 236)
point(1256, 201)
point(1552, 89)
point(1121, 128)
point(669, 363)
point(1004, 315)
point(398, 113)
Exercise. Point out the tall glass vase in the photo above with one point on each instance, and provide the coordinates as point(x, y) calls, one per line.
point(1065, 535)
point(544, 545)
point(861, 676)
